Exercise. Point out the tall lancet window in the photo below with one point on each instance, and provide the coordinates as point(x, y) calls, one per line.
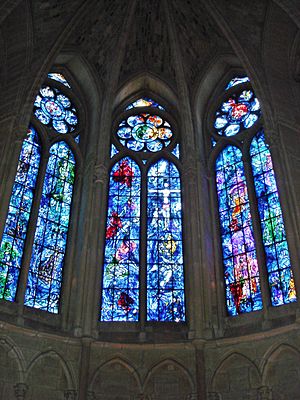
point(35, 233)
point(247, 193)
point(143, 260)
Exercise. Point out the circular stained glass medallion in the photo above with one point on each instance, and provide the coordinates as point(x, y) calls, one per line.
point(144, 132)
point(237, 113)
point(54, 109)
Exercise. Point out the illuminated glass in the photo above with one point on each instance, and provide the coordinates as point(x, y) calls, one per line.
point(49, 246)
point(59, 78)
point(120, 296)
point(55, 109)
point(144, 132)
point(280, 274)
point(165, 274)
point(242, 283)
point(144, 102)
point(240, 111)
point(15, 231)
point(237, 81)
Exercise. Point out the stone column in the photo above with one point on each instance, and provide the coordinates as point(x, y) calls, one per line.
point(91, 395)
point(20, 391)
point(264, 393)
point(214, 396)
point(70, 395)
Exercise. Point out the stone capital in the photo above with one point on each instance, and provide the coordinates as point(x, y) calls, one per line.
point(20, 391)
point(100, 174)
point(264, 393)
point(214, 396)
point(70, 395)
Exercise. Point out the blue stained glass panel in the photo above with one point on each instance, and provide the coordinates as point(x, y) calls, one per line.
point(241, 275)
point(54, 109)
point(281, 281)
point(165, 274)
point(49, 246)
point(120, 292)
point(59, 78)
point(237, 81)
point(15, 230)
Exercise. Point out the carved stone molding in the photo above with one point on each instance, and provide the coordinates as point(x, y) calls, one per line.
point(20, 391)
point(264, 393)
point(192, 396)
point(214, 396)
point(141, 397)
point(70, 395)
point(100, 174)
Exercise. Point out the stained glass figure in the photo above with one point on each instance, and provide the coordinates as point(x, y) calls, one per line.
point(59, 78)
point(144, 132)
point(280, 274)
point(55, 109)
point(165, 274)
point(120, 296)
point(241, 274)
point(144, 102)
point(50, 240)
point(237, 81)
point(15, 231)
point(237, 113)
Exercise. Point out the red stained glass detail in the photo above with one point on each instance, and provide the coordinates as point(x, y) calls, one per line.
point(238, 110)
point(125, 301)
point(114, 224)
point(124, 174)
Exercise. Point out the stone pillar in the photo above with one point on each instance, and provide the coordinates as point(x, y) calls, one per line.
point(20, 391)
point(70, 395)
point(264, 393)
point(214, 396)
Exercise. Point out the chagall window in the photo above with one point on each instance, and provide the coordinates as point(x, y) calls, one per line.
point(33, 245)
point(239, 117)
point(143, 247)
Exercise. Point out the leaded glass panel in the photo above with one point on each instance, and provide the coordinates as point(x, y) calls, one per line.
point(120, 295)
point(15, 231)
point(280, 274)
point(241, 274)
point(50, 240)
point(165, 274)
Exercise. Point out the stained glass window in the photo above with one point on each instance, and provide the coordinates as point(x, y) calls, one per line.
point(165, 280)
point(46, 265)
point(156, 233)
point(120, 301)
point(15, 231)
point(239, 255)
point(42, 262)
point(280, 274)
point(242, 266)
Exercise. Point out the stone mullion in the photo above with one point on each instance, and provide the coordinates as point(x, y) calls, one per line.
point(290, 222)
point(143, 250)
point(257, 233)
point(31, 229)
point(220, 304)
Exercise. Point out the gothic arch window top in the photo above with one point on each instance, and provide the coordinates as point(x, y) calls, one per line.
point(246, 192)
point(143, 267)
